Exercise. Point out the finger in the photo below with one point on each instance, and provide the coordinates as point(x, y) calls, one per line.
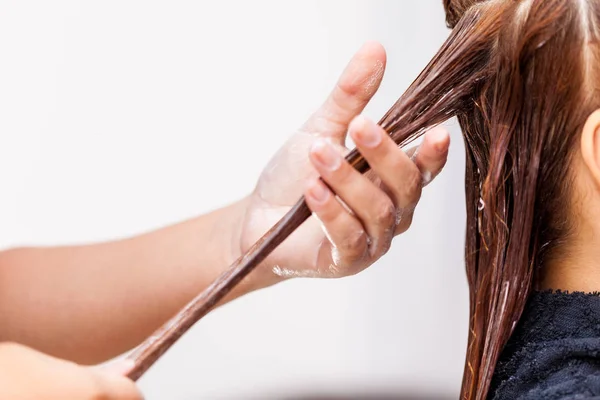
point(393, 166)
point(353, 90)
point(371, 205)
point(349, 242)
point(433, 153)
point(115, 386)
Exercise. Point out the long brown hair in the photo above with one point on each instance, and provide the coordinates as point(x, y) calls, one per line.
point(520, 77)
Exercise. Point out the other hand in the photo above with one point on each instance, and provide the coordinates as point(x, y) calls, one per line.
point(26, 374)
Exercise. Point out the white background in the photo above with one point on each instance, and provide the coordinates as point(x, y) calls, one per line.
point(118, 117)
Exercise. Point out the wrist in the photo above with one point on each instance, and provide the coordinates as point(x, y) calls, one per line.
point(262, 276)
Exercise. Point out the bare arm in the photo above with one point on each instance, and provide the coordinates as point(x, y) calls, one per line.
point(89, 303)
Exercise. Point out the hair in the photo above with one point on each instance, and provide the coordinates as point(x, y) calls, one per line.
point(520, 76)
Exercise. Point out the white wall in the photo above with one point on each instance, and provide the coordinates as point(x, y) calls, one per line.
point(117, 117)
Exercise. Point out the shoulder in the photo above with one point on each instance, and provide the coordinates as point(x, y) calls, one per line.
point(554, 353)
point(555, 370)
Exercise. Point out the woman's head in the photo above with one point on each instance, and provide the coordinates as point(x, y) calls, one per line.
point(523, 79)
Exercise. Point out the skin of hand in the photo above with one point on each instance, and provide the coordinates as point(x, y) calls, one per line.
point(355, 228)
point(92, 302)
point(26, 374)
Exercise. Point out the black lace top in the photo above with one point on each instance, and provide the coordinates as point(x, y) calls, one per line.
point(554, 352)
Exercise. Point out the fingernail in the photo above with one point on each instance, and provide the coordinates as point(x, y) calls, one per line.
point(326, 155)
point(319, 192)
point(367, 133)
point(438, 137)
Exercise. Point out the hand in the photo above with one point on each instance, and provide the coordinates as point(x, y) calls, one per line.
point(342, 239)
point(26, 374)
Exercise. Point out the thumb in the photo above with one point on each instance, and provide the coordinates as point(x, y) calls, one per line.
point(354, 89)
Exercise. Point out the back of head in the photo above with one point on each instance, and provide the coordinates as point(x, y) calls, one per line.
point(520, 75)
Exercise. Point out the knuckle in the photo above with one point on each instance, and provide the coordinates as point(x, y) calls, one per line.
point(348, 88)
point(344, 174)
point(385, 214)
point(353, 250)
point(382, 244)
point(354, 243)
point(411, 187)
point(405, 223)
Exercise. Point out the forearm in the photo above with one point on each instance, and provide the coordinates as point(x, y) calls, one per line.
point(90, 303)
